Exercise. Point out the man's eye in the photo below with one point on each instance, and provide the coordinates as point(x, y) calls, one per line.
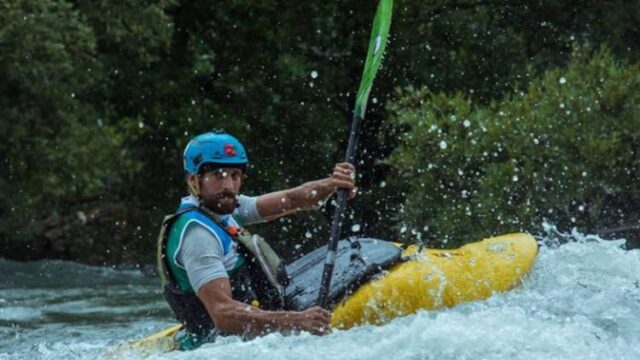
point(220, 174)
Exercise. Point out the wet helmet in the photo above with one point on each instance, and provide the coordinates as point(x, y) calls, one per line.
point(216, 148)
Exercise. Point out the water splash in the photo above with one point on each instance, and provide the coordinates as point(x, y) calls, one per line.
point(581, 301)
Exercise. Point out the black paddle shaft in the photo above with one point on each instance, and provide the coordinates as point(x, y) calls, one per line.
point(338, 218)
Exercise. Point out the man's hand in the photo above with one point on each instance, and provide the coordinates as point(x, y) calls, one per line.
point(344, 177)
point(314, 193)
point(315, 320)
point(234, 317)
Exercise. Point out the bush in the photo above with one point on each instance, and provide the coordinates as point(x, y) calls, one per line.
point(563, 151)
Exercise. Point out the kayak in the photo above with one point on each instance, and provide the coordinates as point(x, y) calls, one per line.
point(429, 279)
point(440, 278)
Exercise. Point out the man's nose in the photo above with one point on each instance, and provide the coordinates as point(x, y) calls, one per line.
point(226, 182)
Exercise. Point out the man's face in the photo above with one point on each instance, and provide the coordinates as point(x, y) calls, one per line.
point(219, 189)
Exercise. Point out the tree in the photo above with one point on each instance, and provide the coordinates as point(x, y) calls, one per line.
point(564, 151)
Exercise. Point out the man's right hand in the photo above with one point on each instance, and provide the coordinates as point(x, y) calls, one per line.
point(315, 320)
point(234, 317)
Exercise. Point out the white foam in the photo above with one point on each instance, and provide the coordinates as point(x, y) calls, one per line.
point(581, 301)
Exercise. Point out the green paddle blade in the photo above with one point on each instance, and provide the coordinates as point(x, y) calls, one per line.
point(378, 42)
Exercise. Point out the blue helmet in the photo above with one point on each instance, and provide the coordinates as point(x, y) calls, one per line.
point(217, 147)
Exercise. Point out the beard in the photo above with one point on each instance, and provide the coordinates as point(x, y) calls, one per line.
point(221, 203)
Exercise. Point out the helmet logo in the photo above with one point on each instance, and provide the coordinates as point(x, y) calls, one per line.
point(230, 150)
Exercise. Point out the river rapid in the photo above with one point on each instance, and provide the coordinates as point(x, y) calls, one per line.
point(580, 301)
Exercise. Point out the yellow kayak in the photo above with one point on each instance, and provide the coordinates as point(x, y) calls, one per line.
point(440, 278)
point(431, 279)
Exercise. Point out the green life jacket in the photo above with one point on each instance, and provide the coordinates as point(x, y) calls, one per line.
point(258, 276)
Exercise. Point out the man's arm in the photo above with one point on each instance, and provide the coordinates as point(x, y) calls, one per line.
point(202, 256)
point(235, 317)
point(307, 196)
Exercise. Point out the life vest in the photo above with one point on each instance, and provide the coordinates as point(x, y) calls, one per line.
point(258, 277)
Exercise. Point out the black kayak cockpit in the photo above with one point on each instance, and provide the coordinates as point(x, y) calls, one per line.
point(357, 261)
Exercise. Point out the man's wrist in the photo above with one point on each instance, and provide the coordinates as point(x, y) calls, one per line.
point(310, 195)
point(284, 320)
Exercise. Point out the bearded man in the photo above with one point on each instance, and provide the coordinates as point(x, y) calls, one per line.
point(207, 274)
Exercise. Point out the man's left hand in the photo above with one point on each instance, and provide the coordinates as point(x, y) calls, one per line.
point(343, 177)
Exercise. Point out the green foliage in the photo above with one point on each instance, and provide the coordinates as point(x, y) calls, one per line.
point(98, 99)
point(49, 132)
point(64, 150)
point(564, 150)
point(483, 49)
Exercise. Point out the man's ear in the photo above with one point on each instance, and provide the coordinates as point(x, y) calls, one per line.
point(194, 184)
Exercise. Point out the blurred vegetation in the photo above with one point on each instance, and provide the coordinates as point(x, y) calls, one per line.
point(98, 98)
point(564, 151)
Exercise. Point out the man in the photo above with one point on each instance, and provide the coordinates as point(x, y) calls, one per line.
point(199, 254)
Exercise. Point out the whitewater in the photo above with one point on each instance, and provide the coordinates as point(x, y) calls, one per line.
point(580, 301)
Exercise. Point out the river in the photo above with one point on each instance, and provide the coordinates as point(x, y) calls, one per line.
point(581, 301)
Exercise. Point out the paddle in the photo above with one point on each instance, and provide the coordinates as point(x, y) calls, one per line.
point(378, 41)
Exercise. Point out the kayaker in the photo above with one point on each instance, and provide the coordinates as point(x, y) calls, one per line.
point(204, 267)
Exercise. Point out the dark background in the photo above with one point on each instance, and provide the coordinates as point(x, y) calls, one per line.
point(98, 99)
